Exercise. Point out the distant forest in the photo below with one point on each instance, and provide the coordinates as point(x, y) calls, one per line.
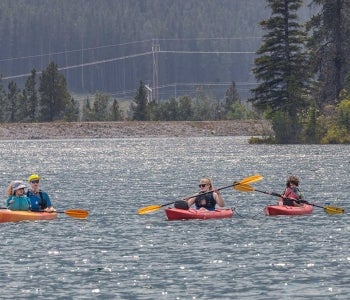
point(178, 60)
point(109, 46)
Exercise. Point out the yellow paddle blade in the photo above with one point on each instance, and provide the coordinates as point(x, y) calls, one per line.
point(148, 209)
point(251, 179)
point(332, 210)
point(77, 213)
point(244, 188)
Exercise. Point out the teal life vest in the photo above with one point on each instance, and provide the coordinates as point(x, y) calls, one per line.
point(18, 203)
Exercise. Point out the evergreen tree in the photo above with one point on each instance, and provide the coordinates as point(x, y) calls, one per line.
point(54, 95)
point(169, 110)
point(30, 97)
point(100, 107)
point(3, 103)
point(115, 113)
point(87, 111)
point(283, 82)
point(154, 111)
point(231, 97)
point(203, 108)
point(330, 48)
point(311, 134)
point(343, 114)
point(71, 113)
point(13, 96)
point(139, 106)
point(185, 108)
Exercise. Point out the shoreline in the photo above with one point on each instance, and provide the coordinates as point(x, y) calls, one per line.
point(135, 129)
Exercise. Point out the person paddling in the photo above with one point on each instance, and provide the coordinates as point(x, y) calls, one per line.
point(39, 199)
point(207, 200)
point(291, 192)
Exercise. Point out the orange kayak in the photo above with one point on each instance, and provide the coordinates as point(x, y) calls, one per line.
point(7, 215)
point(190, 214)
point(275, 210)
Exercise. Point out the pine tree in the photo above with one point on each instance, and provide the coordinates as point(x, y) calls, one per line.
point(13, 101)
point(278, 68)
point(330, 48)
point(100, 107)
point(185, 108)
point(71, 113)
point(54, 95)
point(231, 96)
point(30, 96)
point(115, 113)
point(3, 103)
point(139, 106)
point(87, 111)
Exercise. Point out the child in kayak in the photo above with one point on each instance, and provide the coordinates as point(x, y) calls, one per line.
point(209, 200)
point(291, 192)
point(17, 200)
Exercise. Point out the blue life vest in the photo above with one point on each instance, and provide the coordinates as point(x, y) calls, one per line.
point(39, 201)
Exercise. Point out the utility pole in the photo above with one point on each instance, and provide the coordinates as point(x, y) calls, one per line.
point(155, 50)
point(82, 62)
point(149, 93)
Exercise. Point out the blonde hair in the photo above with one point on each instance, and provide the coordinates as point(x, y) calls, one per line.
point(9, 190)
point(208, 180)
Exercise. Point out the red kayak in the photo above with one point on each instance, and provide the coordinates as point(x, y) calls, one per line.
point(183, 214)
point(275, 210)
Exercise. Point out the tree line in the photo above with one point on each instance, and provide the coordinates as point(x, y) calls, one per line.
point(50, 100)
point(303, 72)
point(303, 87)
point(86, 32)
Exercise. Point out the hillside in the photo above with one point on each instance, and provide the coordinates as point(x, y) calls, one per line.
point(109, 46)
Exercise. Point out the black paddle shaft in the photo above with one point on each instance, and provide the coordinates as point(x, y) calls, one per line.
point(279, 195)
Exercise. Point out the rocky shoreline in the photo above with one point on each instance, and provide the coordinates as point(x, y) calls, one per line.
point(135, 129)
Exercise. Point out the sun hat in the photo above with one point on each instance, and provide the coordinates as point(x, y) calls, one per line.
point(17, 185)
point(33, 177)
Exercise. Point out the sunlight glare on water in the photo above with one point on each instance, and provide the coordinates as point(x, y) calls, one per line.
point(118, 254)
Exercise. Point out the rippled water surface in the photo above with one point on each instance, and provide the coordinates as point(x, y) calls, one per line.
point(118, 254)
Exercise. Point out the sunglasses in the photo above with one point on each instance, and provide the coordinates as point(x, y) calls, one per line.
point(34, 181)
point(202, 185)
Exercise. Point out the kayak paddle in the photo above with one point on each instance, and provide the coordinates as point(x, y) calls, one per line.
point(152, 208)
point(75, 213)
point(332, 210)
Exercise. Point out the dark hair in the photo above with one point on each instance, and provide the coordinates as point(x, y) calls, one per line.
point(292, 179)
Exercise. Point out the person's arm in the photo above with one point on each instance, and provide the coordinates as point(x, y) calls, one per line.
point(218, 198)
point(48, 203)
point(190, 201)
point(9, 201)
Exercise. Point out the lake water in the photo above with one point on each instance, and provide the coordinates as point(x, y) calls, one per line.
point(118, 254)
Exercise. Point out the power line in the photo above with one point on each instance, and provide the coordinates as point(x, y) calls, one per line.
point(240, 86)
point(127, 44)
point(128, 57)
point(207, 52)
point(84, 64)
point(71, 51)
point(155, 51)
